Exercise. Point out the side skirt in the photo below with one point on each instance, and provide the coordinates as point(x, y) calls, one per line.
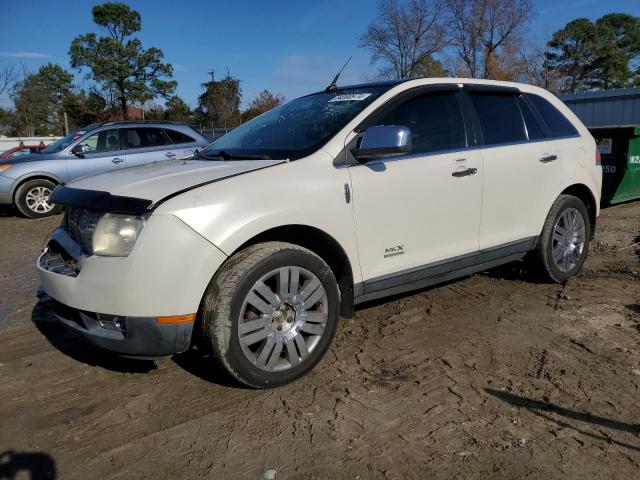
point(440, 272)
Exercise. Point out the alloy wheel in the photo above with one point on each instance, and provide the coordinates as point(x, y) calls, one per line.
point(283, 318)
point(568, 239)
point(37, 199)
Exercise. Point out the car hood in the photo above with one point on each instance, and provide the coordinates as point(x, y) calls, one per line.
point(156, 181)
point(30, 157)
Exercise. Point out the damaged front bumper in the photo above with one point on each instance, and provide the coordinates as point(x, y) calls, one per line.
point(142, 337)
point(140, 305)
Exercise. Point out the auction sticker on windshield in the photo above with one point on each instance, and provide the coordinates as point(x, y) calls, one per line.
point(352, 97)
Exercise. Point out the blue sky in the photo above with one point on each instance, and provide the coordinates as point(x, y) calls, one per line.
point(287, 46)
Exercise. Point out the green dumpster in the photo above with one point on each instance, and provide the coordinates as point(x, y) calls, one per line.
point(620, 151)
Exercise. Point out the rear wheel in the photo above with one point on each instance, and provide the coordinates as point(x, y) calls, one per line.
point(32, 199)
point(270, 314)
point(564, 242)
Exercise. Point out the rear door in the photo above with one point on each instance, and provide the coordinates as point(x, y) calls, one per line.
point(522, 171)
point(184, 145)
point(102, 151)
point(147, 144)
point(416, 210)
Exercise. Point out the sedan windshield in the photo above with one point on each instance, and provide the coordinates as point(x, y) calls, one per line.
point(295, 129)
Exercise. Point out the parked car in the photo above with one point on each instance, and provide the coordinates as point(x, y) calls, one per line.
point(21, 150)
point(256, 246)
point(27, 181)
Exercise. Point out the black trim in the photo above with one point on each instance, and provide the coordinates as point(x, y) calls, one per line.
point(534, 111)
point(437, 272)
point(476, 87)
point(142, 337)
point(98, 200)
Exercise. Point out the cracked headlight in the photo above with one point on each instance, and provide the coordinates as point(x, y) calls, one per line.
point(116, 234)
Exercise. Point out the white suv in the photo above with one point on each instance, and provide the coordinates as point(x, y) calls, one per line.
point(255, 246)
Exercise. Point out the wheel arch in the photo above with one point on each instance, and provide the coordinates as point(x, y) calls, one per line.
point(323, 245)
point(33, 176)
point(585, 194)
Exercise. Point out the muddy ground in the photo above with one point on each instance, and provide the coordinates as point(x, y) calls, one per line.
point(494, 376)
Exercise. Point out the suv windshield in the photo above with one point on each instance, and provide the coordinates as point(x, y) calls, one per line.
point(295, 129)
point(64, 142)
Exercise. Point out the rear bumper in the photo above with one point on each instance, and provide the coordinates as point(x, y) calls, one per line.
point(128, 336)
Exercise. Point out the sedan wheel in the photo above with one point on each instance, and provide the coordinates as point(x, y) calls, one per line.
point(33, 198)
point(37, 200)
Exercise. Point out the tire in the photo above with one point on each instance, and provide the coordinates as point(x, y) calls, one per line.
point(32, 199)
point(298, 327)
point(564, 211)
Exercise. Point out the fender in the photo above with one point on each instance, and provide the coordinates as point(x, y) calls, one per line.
point(20, 180)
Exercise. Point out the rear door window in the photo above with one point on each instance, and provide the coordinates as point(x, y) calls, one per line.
point(178, 137)
point(556, 121)
point(499, 116)
point(434, 119)
point(145, 137)
point(535, 130)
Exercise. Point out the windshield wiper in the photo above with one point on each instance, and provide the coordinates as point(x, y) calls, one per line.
point(223, 155)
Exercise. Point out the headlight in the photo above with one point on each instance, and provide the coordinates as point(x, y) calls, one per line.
point(116, 234)
point(4, 167)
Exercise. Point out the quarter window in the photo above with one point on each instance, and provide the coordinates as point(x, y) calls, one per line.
point(556, 121)
point(434, 120)
point(178, 137)
point(500, 118)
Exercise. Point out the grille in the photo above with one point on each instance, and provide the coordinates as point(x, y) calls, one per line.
point(81, 224)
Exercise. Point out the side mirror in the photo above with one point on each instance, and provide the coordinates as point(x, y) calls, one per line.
point(79, 150)
point(383, 141)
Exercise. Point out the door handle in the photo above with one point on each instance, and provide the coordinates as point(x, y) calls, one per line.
point(548, 158)
point(117, 160)
point(465, 173)
point(170, 155)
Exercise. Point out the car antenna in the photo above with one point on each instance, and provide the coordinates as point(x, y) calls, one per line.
point(333, 85)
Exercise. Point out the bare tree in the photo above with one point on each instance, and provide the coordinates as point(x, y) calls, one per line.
point(405, 36)
point(8, 76)
point(533, 67)
point(481, 30)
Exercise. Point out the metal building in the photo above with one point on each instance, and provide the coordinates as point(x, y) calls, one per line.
point(613, 117)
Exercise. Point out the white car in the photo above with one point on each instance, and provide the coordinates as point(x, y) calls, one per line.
point(258, 244)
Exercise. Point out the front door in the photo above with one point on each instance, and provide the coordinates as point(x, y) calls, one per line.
point(100, 152)
point(419, 212)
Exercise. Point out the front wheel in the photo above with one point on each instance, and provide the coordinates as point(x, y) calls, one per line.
point(564, 242)
point(33, 199)
point(270, 313)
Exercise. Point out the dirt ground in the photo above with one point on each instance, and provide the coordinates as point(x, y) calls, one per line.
point(493, 376)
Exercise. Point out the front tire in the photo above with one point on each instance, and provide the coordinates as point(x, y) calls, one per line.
point(33, 199)
point(270, 313)
point(564, 242)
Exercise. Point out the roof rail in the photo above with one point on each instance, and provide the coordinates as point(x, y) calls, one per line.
point(144, 122)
